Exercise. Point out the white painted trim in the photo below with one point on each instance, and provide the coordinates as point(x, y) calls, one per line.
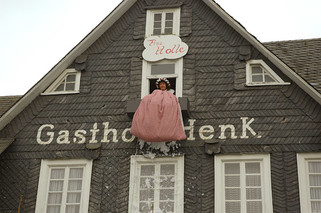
point(150, 20)
point(266, 179)
point(302, 162)
point(146, 75)
point(51, 89)
point(137, 160)
point(43, 185)
point(249, 82)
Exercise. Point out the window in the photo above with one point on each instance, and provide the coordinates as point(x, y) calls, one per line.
point(259, 73)
point(170, 69)
point(156, 185)
point(68, 82)
point(64, 186)
point(243, 184)
point(309, 172)
point(163, 22)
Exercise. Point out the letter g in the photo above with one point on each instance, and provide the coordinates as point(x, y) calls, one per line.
point(50, 134)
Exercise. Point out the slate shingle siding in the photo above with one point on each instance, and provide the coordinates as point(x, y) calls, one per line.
point(286, 118)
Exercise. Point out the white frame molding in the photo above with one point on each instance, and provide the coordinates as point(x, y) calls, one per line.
point(137, 160)
point(302, 162)
point(260, 62)
point(51, 89)
point(146, 75)
point(150, 20)
point(267, 205)
point(43, 185)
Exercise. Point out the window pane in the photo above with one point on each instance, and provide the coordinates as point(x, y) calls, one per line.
point(74, 185)
point(158, 17)
point(257, 78)
point(73, 197)
point(167, 181)
point(168, 31)
point(315, 180)
point(72, 208)
point(253, 194)
point(268, 78)
point(157, 32)
point(160, 69)
point(146, 195)
point(166, 206)
point(61, 87)
point(314, 167)
point(57, 174)
point(232, 168)
point(147, 170)
point(145, 207)
point(167, 169)
point(232, 194)
point(315, 193)
point(316, 206)
point(232, 181)
point(157, 25)
point(254, 207)
point(53, 209)
point(257, 70)
point(166, 194)
point(232, 207)
point(252, 168)
point(253, 180)
point(169, 24)
point(56, 185)
point(169, 16)
point(147, 182)
point(54, 198)
point(71, 78)
point(76, 172)
point(70, 86)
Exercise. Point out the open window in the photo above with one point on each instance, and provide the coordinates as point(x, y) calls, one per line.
point(170, 69)
point(68, 82)
point(258, 73)
point(156, 185)
point(163, 22)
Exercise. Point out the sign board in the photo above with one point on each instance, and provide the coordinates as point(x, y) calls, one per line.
point(164, 47)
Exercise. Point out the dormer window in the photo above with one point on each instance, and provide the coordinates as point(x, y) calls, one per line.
point(258, 73)
point(67, 82)
point(162, 22)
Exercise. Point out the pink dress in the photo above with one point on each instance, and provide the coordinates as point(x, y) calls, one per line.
point(158, 118)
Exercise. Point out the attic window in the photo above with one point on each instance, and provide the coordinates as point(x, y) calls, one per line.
point(258, 73)
point(162, 22)
point(67, 82)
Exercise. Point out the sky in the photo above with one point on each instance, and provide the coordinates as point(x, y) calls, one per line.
point(36, 34)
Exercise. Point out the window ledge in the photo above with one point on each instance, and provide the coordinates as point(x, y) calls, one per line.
point(132, 106)
point(60, 93)
point(267, 84)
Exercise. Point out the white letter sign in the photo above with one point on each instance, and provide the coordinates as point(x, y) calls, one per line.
point(164, 47)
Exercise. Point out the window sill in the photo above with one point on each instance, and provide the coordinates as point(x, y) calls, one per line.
point(267, 84)
point(132, 106)
point(60, 93)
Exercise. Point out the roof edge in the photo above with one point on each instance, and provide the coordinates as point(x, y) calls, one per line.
point(266, 52)
point(85, 43)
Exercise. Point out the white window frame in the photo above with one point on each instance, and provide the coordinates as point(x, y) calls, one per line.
point(303, 174)
point(43, 185)
point(250, 63)
point(51, 89)
point(264, 159)
point(136, 161)
point(146, 76)
point(150, 20)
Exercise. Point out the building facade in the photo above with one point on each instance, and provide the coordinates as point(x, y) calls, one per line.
point(251, 114)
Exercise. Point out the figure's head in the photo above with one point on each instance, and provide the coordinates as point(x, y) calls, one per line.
point(163, 84)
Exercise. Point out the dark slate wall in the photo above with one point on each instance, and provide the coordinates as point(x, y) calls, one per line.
point(286, 118)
